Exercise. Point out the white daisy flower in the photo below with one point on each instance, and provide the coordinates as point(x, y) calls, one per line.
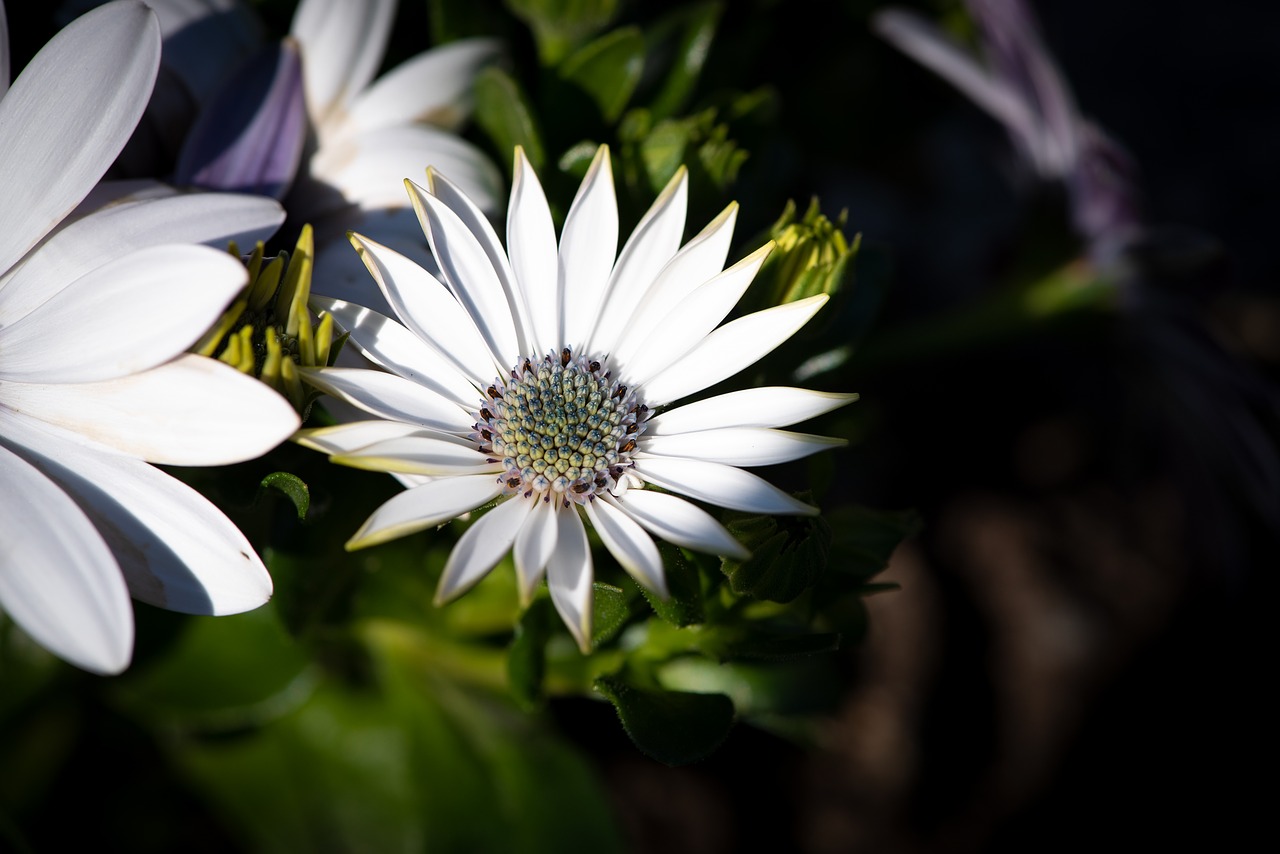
point(538, 376)
point(371, 133)
point(94, 317)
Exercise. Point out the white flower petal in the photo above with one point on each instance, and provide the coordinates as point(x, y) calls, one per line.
point(176, 550)
point(533, 548)
point(629, 545)
point(214, 219)
point(731, 348)
point(531, 245)
point(192, 412)
point(434, 456)
point(424, 507)
point(481, 547)
point(723, 485)
point(691, 319)
point(588, 246)
point(342, 45)
point(397, 349)
point(390, 396)
point(368, 169)
point(769, 406)
point(678, 521)
point(99, 72)
point(478, 225)
point(699, 260)
point(653, 243)
point(740, 446)
point(432, 87)
point(427, 307)
point(569, 576)
point(58, 580)
point(344, 438)
point(341, 274)
point(469, 273)
point(104, 325)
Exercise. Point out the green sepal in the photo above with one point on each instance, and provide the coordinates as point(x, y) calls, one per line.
point(674, 727)
point(608, 69)
point(293, 487)
point(788, 554)
point(503, 112)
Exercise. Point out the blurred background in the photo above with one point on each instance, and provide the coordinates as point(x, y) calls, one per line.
point(1073, 652)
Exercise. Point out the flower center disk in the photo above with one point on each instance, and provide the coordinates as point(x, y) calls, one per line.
point(561, 425)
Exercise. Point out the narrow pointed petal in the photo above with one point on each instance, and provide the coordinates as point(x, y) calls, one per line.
point(531, 244)
point(342, 47)
point(390, 396)
point(653, 243)
point(770, 406)
point(424, 507)
point(420, 454)
point(478, 225)
point(481, 547)
point(740, 446)
point(249, 138)
point(427, 307)
point(469, 273)
point(432, 87)
point(533, 548)
point(701, 258)
point(569, 576)
point(692, 319)
point(192, 411)
point(629, 545)
point(723, 485)
point(176, 550)
point(397, 349)
point(214, 219)
point(368, 168)
point(104, 325)
point(678, 521)
point(919, 39)
point(99, 71)
point(588, 247)
point(58, 580)
point(344, 438)
point(731, 348)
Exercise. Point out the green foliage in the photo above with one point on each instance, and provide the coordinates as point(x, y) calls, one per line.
point(675, 727)
point(788, 554)
point(503, 111)
point(560, 26)
point(608, 69)
point(293, 488)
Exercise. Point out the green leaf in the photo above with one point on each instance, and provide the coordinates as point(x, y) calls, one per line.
point(222, 673)
point(527, 656)
point(293, 487)
point(866, 538)
point(684, 39)
point(675, 727)
point(503, 112)
point(608, 69)
point(787, 555)
point(684, 606)
point(781, 647)
point(560, 26)
point(612, 610)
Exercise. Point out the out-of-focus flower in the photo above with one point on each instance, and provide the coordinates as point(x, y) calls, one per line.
point(1021, 87)
point(531, 375)
point(268, 333)
point(95, 315)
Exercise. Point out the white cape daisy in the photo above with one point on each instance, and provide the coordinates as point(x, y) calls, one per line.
point(532, 376)
point(94, 317)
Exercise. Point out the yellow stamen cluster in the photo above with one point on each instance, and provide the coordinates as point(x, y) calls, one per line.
point(267, 332)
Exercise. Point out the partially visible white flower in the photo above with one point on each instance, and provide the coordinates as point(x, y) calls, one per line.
point(532, 374)
point(371, 133)
point(95, 315)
